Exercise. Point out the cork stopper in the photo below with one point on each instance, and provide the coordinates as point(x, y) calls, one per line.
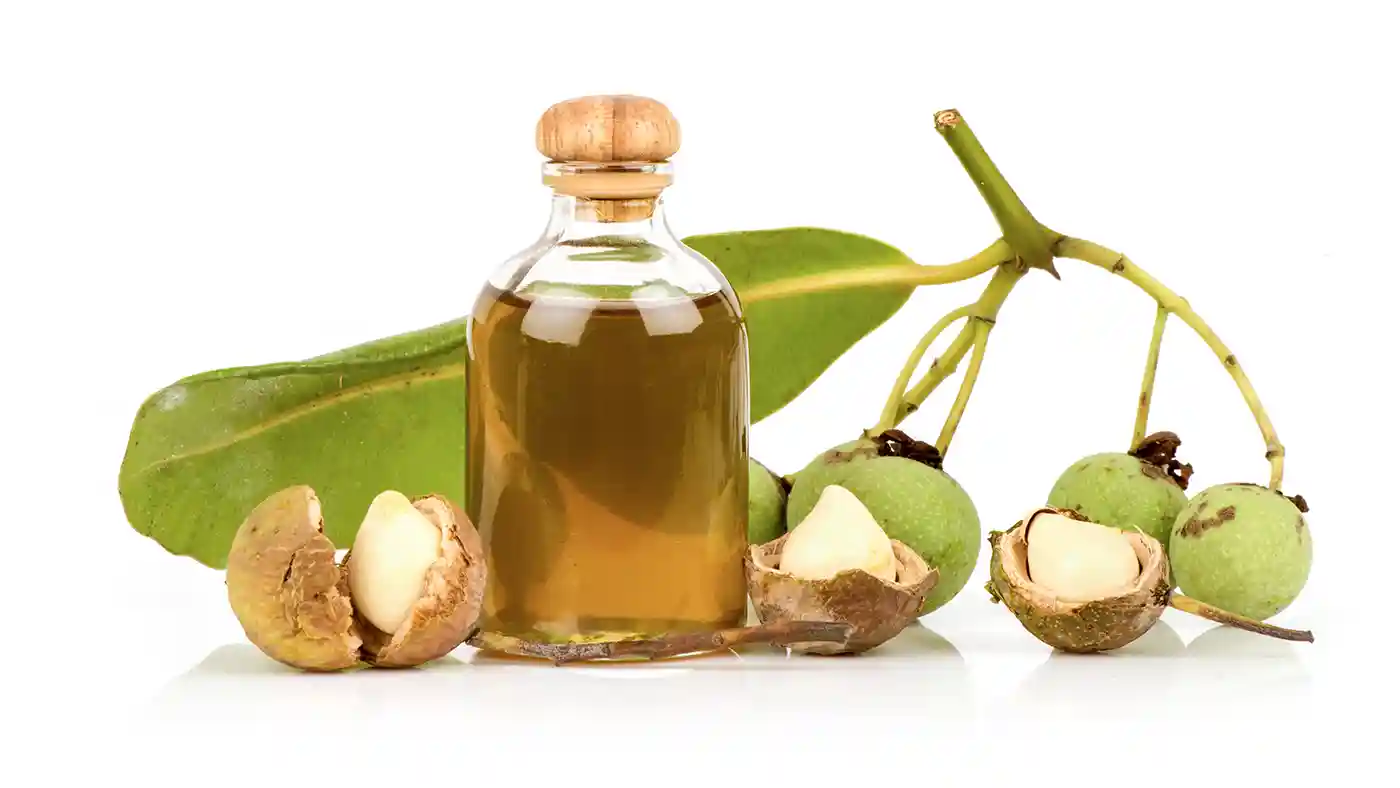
point(610, 152)
point(608, 129)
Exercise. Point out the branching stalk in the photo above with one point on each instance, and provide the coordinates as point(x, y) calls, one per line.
point(1028, 245)
point(981, 327)
point(1149, 377)
point(895, 402)
point(1119, 264)
point(986, 307)
point(1021, 231)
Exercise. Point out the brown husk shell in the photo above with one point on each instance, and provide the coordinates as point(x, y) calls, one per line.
point(284, 586)
point(1081, 627)
point(451, 602)
point(877, 610)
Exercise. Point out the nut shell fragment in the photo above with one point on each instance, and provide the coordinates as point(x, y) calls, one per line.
point(876, 609)
point(1082, 627)
point(284, 586)
point(443, 616)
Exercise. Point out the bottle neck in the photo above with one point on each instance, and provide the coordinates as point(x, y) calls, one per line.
point(626, 195)
point(608, 251)
point(577, 218)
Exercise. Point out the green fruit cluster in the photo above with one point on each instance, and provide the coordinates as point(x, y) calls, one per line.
point(1239, 547)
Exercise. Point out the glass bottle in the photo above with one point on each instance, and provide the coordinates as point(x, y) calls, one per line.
point(608, 409)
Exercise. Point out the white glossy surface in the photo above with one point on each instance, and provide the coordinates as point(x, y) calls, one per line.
point(984, 699)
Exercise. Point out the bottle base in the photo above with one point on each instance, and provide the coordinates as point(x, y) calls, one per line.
point(589, 640)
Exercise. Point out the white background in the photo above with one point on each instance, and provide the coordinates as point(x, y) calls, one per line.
point(192, 185)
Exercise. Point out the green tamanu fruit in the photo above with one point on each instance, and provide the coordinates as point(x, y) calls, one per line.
point(1143, 490)
point(767, 500)
point(901, 482)
point(1243, 548)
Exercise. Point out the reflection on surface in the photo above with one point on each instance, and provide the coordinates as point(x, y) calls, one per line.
point(1231, 662)
point(1222, 673)
point(759, 691)
point(237, 683)
point(1223, 641)
point(1098, 685)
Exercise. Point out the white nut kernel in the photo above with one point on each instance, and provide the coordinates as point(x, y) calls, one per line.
point(837, 535)
point(1079, 561)
point(395, 547)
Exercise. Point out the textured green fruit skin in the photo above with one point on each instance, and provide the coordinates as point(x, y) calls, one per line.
point(1120, 490)
point(767, 499)
point(1242, 548)
point(918, 505)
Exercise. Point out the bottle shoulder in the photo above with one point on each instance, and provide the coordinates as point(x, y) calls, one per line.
point(612, 268)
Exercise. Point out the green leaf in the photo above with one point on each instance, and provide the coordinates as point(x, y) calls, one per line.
point(794, 338)
point(391, 414)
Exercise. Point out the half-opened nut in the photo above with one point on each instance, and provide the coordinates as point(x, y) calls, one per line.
point(876, 609)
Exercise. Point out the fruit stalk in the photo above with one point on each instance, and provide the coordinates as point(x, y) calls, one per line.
point(1027, 244)
point(985, 309)
point(895, 404)
point(1212, 613)
point(1149, 377)
point(1116, 263)
point(981, 328)
point(778, 634)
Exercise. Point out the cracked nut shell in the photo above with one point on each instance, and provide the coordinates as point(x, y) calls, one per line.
point(443, 616)
point(1081, 627)
point(285, 588)
point(877, 610)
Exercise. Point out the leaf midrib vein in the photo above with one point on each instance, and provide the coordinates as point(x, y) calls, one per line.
point(307, 408)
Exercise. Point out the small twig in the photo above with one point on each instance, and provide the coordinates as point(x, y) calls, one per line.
point(979, 349)
point(1149, 377)
point(778, 633)
point(1212, 613)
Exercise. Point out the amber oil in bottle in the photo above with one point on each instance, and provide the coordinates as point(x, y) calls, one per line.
point(622, 497)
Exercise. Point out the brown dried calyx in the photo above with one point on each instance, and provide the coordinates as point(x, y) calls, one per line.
point(408, 592)
point(897, 443)
point(1083, 587)
point(838, 565)
point(1159, 451)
